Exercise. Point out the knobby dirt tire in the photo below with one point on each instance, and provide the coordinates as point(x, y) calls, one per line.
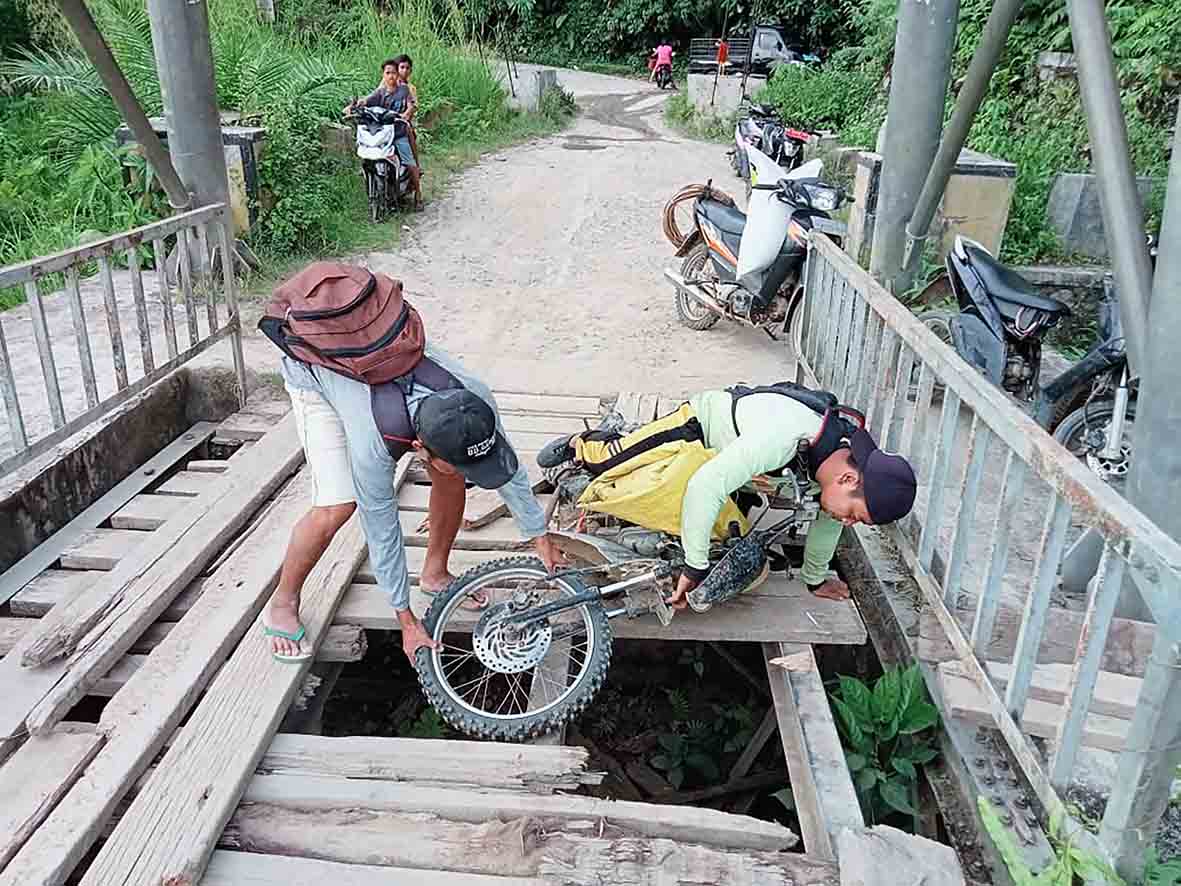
point(526, 726)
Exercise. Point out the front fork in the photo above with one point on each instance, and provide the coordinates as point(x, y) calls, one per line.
point(595, 595)
point(1113, 448)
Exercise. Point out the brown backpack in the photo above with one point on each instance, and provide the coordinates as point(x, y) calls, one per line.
point(348, 320)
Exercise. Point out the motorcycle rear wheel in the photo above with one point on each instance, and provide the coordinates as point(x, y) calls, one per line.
point(1093, 420)
point(691, 312)
point(482, 679)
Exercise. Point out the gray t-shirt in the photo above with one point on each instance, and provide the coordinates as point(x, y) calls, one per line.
point(398, 99)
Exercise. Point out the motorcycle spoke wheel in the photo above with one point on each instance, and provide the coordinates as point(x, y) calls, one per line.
point(691, 312)
point(498, 680)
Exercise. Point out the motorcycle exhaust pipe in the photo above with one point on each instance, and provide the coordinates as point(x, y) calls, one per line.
point(699, 295)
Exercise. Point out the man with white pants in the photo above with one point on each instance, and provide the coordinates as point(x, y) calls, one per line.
point(457, 433)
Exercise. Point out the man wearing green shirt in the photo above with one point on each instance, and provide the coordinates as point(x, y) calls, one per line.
point(757, 433)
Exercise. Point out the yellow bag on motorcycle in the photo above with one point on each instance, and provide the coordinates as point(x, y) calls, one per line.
point(648, 490)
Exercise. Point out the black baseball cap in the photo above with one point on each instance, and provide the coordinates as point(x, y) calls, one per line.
point(888, 479)
point(460, 428)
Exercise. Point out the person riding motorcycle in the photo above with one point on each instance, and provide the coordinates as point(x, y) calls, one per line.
point(761, 436)
point(394, 94)
point(664, 59)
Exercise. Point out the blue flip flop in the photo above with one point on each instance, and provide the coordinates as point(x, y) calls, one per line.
point(296, 636)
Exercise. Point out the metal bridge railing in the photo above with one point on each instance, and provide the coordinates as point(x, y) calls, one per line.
point(204, 230)
point(858, 341)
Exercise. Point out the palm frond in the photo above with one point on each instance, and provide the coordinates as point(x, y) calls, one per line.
point(39, 70)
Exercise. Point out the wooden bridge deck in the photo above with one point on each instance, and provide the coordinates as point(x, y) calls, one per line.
point(148, 603)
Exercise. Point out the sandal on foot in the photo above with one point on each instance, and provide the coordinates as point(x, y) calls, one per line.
point(297, 636)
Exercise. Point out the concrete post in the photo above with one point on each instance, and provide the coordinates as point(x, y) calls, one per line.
point(96, 49)
point(184, 60)
point(984, 59)
point(1111, 159)
point(914, 120)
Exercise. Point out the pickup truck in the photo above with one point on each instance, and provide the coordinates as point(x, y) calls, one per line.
point(768, 50)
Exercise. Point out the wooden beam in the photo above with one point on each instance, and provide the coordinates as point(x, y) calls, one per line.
point(152, 704)
point(256, 869)
point(547, 404)
point(119, 609)
point(208, 465)
point(44, 555)
point(244, 426)
point(965, 701)
point(1115, 695)
point(147, 512)
point(687, 823)
point(185, 484)
point(35, 778)
point(784, 612)
point(51, 587)
point(173, 824)
point(431, 761)
point(767, 727)
point(1129, 643)
point(826, 801)
point(560, 852)
point(102, 549)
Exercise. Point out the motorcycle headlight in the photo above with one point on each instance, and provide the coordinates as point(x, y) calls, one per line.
point(823, 197)
point(790, 148)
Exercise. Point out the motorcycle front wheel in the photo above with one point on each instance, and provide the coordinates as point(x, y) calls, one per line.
point(1084, 433)
point(513, 682)
point(373, 192)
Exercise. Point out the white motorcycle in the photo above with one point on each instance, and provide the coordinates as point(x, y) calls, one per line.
point(387, 180)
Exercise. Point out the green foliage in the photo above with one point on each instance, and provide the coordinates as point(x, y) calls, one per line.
point(679, 702)
point(698, 745)
point(690, 750)
point(693, 657)
point(556, 104)
point(886, 734)
point(430, 724)
point(822, 99)
point(681, 115)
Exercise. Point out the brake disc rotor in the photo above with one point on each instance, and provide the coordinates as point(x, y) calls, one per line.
point(509, 649)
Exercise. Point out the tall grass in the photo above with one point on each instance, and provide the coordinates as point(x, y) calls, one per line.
point(60, 172)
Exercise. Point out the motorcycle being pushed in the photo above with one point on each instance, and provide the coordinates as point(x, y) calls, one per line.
point(387, 180)
point(522, 651)
point(748, 267)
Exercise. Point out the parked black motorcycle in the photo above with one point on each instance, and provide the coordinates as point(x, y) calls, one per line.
point(762, 128)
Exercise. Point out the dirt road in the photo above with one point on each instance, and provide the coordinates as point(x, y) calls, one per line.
point(540, 267)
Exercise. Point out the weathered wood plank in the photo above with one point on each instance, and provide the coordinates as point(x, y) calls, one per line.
point(431, 761)
point(51, 587)
point(255, 869)
point(102, 549)
point(44, 555)
point(187, 484)
point(147, 711)
point(687, 823)
point(35, 779)
point(208, 465)
point(964, 700)
point(551, 425)
point(119, 609)
point(885, 854)
point(547, 404)
point(812, 747)
point(786, 612)
point(459, 562)
point(523, 847)
point(11, 630)
point(497, 536)
point(1115, 695)
point(245, 426)
point(147, 512)
point(1129, 643)
point(173, 824)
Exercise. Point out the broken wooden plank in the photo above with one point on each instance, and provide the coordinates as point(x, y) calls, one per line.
point(120, 608)
point(11, 630)
point(668, 405)
point(791, 616)
point(499, 535)
point(521, 847)
point(628, 404)
point(459, 562)
point(243, 426)
point(962, 699)
point(186, 484)
point(427, 761)
point(147, 711)
point(826, 801)
point(102, 549)
point(1115, 694)
point(551, 425)
point(766, 728)
point(147, 512)
point(51, 587)
point(255, 869)
point(687, 823)
point(172, 825)
point(44, 555)
point(1129, 643)
point(35, 778)
point(883, 854)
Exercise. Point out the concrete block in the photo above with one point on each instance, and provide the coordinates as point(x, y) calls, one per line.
point(1054, 65)
point(1075, 214)
point(725, 100)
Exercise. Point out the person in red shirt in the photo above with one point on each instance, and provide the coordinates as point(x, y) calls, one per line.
point(664, 57)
